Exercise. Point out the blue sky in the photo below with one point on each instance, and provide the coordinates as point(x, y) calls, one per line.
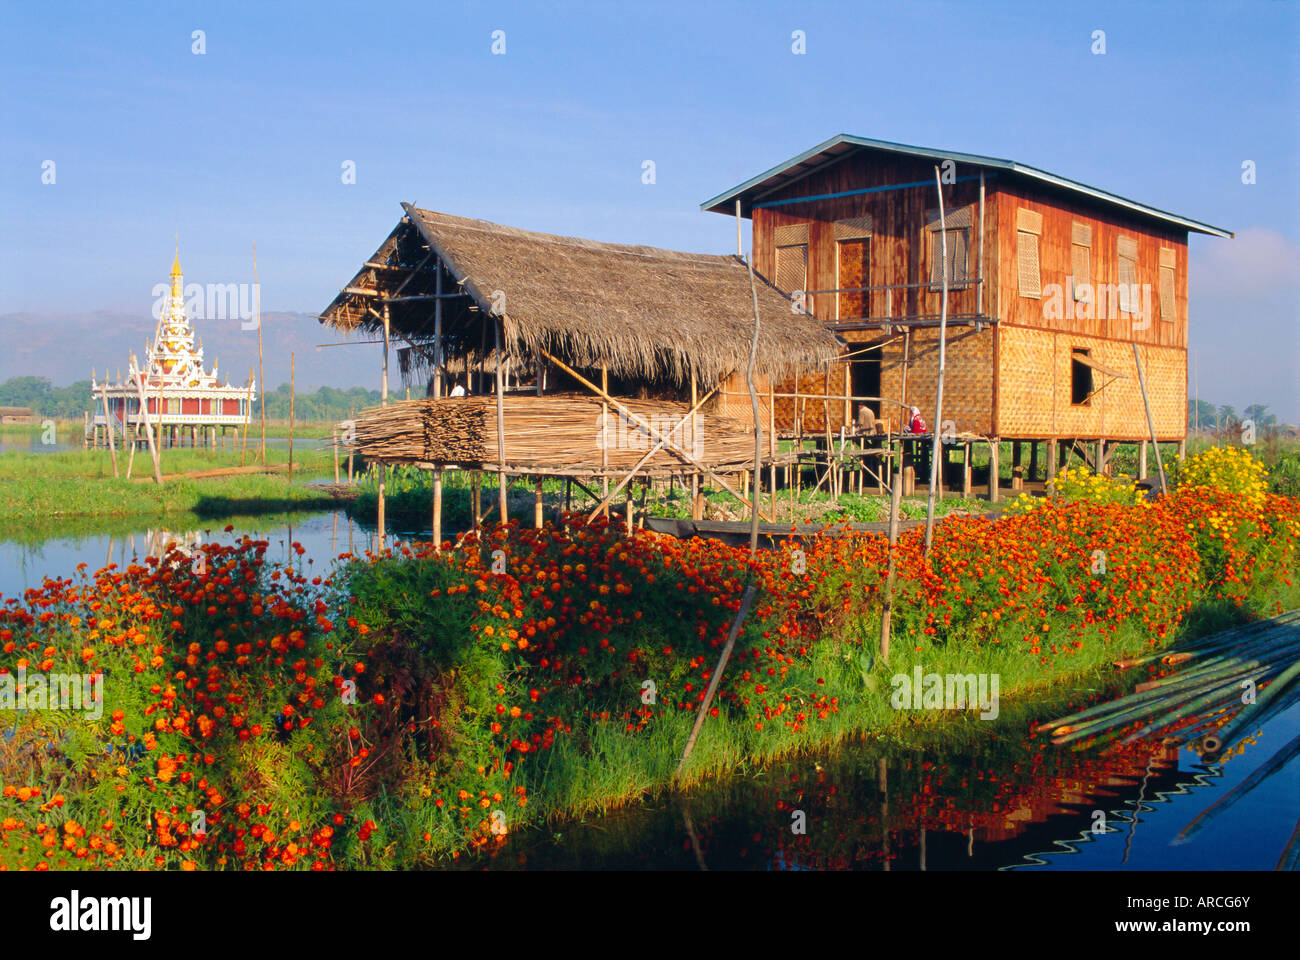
point(245, 142)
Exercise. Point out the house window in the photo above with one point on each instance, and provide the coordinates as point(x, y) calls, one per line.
point(792, 268)
point(1029, 227)
point(958, 243)
point(1080, 377)
point(1081, 261)
point(1168, 288)
point(1126, 247)
point(853, 265)
point(173, 405)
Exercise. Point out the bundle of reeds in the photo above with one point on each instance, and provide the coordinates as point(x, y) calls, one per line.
point(560, 432)
point(1208, 693)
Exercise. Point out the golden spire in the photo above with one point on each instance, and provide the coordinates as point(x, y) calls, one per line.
point(178, 285)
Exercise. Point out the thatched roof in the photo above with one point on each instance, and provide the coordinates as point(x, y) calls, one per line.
point(645, 313)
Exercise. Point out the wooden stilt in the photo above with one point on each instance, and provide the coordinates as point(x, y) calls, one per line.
point(995, 450)
point(1051, 459)
point(1017, 468)
point(537, 504)
point(1142, 460)
point(966, 471)
point(437, 510)
point(502, 505)
point(108, 427)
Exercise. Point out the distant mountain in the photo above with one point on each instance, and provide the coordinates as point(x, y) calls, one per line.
point(65, 346)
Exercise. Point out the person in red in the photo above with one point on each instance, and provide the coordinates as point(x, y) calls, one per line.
point(917, 425)
point(920, 451)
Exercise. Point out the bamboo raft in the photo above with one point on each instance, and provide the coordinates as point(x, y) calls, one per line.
point(553, 434)
point(1204, 702)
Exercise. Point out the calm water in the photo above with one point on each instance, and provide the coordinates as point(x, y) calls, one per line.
point(1004, 802)
point(869, 807)
point(323, 535)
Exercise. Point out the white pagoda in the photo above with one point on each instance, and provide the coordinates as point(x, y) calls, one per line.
point(181, 397)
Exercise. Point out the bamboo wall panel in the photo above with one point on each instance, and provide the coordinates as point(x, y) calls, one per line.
point(968, 378)
point(1035, 388)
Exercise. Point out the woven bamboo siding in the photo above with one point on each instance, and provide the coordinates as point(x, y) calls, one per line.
point(1034, 388)
point(967, 385)
point(732, 401)
point(1065, 221)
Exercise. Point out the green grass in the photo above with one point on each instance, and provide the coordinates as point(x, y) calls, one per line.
point(36, 489)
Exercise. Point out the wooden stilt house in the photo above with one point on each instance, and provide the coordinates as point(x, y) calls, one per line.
point(559, 356)
point(1063, 299)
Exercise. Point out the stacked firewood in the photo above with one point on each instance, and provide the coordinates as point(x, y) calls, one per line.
point(549, 432)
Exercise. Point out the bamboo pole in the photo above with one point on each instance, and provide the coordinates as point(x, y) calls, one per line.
point(437, 333)
point(108, 427)
point(261, 372)
point(292, 371)
point(352, 413)
point(604, 442)
point(148, 427)
point(609, 495)
point(334, 435)
point(135, 437)
point(746, 601)
point(382, 470)
point(938, 399)
point(887, 613)
point(437, 509)
point(649, 429)
point(1151, 424)
point(758, 424)
point(501, 423)
point(695, 476)
point(248, 416)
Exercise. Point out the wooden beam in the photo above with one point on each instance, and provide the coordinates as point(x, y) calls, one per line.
point(652, 431)
point(610, 495)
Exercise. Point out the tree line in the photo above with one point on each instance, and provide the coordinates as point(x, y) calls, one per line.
point(47, 400)
point(1201, 414)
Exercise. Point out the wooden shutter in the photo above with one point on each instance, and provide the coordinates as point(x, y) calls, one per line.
point(853, 270)
point(1168, 288)
point(1127, 250)
point(792, 267)
point(1030, 277)
point(958, 245)
point(1080, 258)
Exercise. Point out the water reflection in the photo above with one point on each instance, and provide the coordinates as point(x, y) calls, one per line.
point(323, 537)
point(999, 804)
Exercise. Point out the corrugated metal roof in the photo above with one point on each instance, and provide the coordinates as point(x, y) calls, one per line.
point(752, 191)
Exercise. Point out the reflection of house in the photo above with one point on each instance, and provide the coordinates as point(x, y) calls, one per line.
point(159, 542)
point(15, 414)
point(181, 397)
point(1052, 284)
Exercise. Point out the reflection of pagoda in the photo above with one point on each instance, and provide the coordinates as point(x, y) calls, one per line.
point(181, 397)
